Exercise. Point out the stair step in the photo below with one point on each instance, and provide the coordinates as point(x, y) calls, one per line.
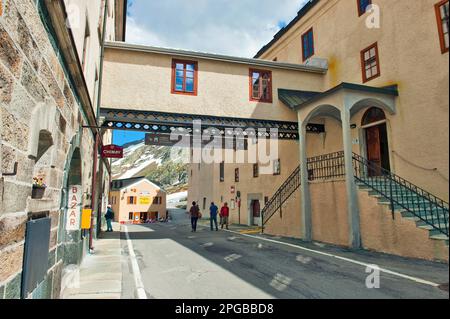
point(440, 237)
point(420, 221)
point(433, 231)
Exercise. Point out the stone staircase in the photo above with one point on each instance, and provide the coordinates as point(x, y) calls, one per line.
point(425, 212)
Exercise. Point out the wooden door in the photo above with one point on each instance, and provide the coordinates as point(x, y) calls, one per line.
point(256, 209)
point(374, 150)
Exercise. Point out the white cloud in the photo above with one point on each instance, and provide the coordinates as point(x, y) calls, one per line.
point(233, 27)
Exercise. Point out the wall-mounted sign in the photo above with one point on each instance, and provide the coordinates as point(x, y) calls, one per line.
point(159, 140)
point(112, 151)
point(145, 200)
point(233, 189)
point(74, 208)
point(86, 218)
point(1, 8)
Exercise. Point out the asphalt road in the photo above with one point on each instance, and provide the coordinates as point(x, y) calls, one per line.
point(175, 263)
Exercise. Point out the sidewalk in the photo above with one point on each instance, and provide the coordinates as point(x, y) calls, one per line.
point(100, 274)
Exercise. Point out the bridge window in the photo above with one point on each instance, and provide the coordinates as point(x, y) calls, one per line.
point(260, 86)
point(184, 77)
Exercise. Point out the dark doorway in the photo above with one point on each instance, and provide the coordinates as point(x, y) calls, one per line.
point(256, 211)
point(376, 141)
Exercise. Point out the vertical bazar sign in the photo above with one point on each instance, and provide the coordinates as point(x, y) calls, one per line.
point(74, 209)
point(1, 8)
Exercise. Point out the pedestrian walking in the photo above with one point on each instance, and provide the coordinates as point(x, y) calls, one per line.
point(224, 213)
point(109, 216)
point(194, 212)
point(213, 210)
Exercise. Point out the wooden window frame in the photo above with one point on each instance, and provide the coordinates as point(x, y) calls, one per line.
point(222, 172)
point(437, 8)
point(279, 170)
point(360, 12)
point(363, 63)
point(250, 83)
point(313, 46)
point(132, 200)
point(184, 92)
point(255, 170)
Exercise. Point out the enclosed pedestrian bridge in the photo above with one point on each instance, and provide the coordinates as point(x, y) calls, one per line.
point(158, 90)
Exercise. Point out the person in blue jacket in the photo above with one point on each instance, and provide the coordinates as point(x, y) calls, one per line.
point(213, 210)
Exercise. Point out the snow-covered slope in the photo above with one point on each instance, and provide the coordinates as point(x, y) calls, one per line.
point(164, 165)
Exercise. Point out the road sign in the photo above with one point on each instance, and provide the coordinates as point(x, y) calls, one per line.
point(86, 218)
point(112, 151)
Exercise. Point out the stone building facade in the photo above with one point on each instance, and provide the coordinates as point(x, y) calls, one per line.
point(47, 124)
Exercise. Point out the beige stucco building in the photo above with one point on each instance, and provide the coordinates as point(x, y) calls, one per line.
point(367, 89)
point(137, 200)
point(50, 69)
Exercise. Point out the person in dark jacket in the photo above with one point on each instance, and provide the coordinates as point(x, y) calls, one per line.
point(109, 216)
point(213, 210)
point(194, 212)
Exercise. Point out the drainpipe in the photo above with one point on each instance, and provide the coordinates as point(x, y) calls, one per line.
point(99, 95)
point(94, 185)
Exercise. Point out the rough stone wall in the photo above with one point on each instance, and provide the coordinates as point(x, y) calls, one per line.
point(33, 85)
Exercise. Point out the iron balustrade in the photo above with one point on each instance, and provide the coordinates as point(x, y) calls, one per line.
point(399, 193)
point(281, 196)
point(402, 194)
point(326, 166)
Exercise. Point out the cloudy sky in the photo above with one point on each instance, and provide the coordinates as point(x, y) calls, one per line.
point(232, 27)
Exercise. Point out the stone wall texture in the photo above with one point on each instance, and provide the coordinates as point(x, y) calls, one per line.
point(33, 84)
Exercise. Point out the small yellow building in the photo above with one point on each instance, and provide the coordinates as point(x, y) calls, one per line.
point(137, 200)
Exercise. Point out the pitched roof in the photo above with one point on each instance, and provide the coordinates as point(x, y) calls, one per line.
point(292, 98)
point(303, 11)
point(391, 90)
point(119, 184)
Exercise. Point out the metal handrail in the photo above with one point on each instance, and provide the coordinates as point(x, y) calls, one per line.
point(285, 191)
point(430, 209)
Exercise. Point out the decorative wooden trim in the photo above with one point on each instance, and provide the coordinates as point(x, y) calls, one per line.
point(313, 47)
point(363, 64)
point(172, 89)
point(250, 84)
point(360, 13)
point(437, 8)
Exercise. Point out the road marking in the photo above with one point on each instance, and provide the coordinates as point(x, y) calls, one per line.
point(208, 245)
point(280, 282)
point(304, 260)
point(232, 257)
point(135, 267)
point(394, 273)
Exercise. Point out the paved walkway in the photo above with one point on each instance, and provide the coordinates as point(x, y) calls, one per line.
point(100, 275)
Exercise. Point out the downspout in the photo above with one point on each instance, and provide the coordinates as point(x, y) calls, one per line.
point(99, 97)
point(93, 195)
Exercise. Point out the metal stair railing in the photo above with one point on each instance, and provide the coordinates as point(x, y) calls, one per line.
point(281, 196)
point(400, 193)
point(403, 194)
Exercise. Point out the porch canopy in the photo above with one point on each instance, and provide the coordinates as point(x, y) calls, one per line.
point(340, 103)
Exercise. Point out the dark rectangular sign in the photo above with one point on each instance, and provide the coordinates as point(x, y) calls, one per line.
point(112, 151)
point(164, 140)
